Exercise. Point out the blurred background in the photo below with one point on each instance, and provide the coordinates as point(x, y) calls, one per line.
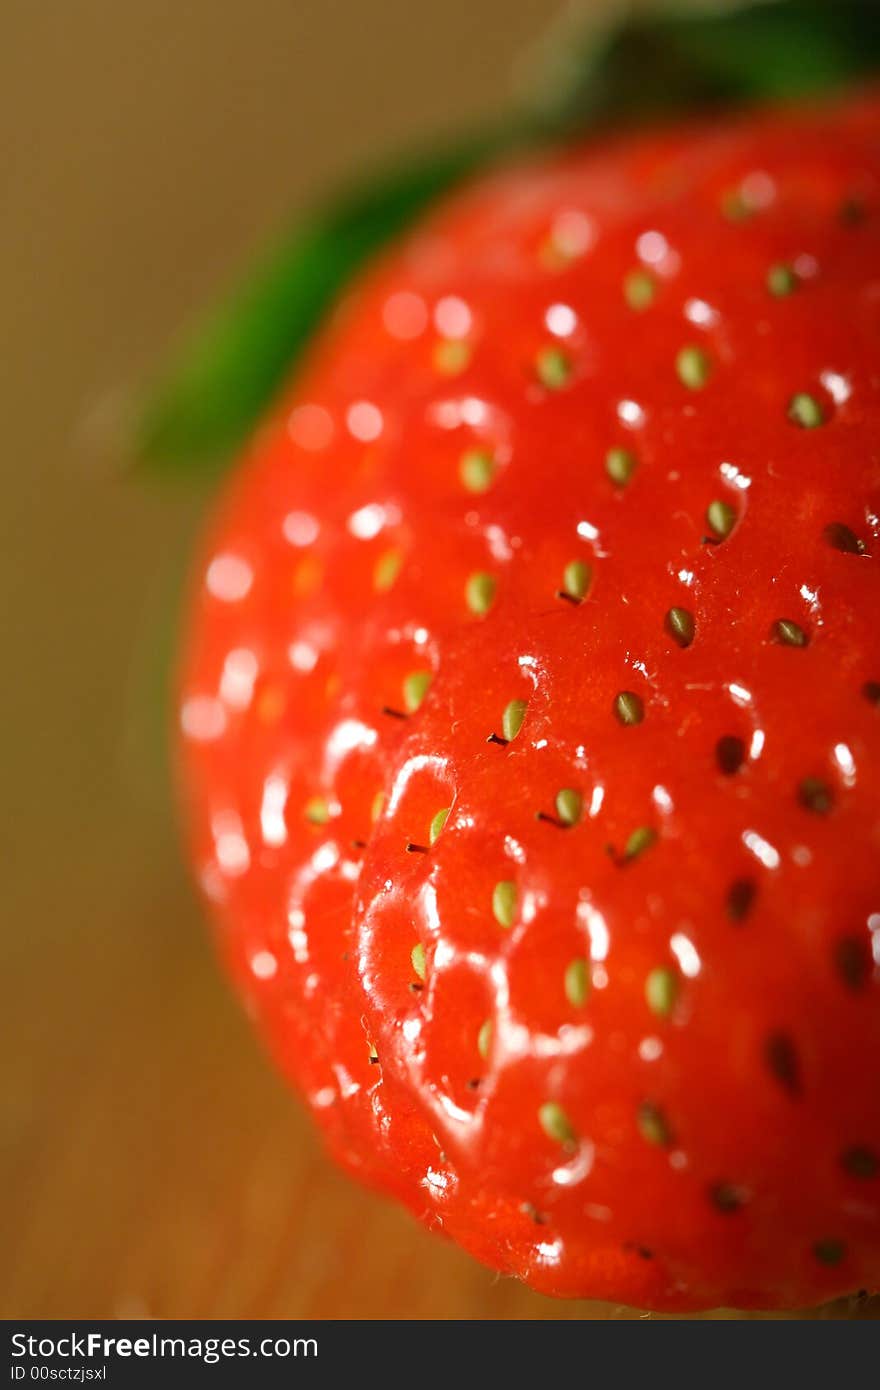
point(153, 1165)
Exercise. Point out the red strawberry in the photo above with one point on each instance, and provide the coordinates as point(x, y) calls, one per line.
point(530, 718)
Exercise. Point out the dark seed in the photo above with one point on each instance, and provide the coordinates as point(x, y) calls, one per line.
point(680, 626)
point(852, 962)
point(842, 538)
point(533, 1214)
point(871, 692)
point(780, 1055)
point(829, 1252)
point(860, 1162)
point(740, 896)
point(730, 754)
point(816, 796)
point(725, 1197)
point(852, 211)
point(641, 1250)
point(789, 634)
point(652, 1125)
point(629, 707)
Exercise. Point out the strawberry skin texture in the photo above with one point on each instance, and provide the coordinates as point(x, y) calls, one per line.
point(620, 1042)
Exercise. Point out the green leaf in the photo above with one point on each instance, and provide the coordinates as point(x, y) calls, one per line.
point(224, 377)
point(769, 50)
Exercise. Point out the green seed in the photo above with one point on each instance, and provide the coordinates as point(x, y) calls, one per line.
point(569, 805)
point(477, 470)
point(577, 983)
point(512, 718)
point(451, 356)
point(480, 592)
point(829, 1252)
point(484, 1039)
point(693, 367)
point(438, 823)
point(652, 1125)
point(629, 707)
point(553, 368)
point(377, 806)
point(620, 465)
point(661, 990)
point(782, 280)
point(504, 899)
point(415, 688)
point(806, 411)
point(680, 626)
point(640, 840)
point(419, 963)
point(555, 1123)
point(576, 579)
point(735, 206)
point(789, 633)
point(639, 290)
point(816, 796)
point(721, 517)
point(387, 569)
point(317, 810)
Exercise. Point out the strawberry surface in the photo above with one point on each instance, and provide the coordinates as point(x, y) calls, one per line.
point(530, 717)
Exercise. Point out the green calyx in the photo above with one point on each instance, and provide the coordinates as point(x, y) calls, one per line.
point(648, 67)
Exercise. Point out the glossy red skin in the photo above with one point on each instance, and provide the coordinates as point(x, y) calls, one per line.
point(317, 922)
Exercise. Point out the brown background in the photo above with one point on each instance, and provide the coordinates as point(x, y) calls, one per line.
point(152, 1163)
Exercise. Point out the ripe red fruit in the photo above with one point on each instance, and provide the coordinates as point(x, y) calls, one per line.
point(531, 718)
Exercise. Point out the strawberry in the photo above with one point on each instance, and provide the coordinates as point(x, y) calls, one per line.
point(530, 717)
